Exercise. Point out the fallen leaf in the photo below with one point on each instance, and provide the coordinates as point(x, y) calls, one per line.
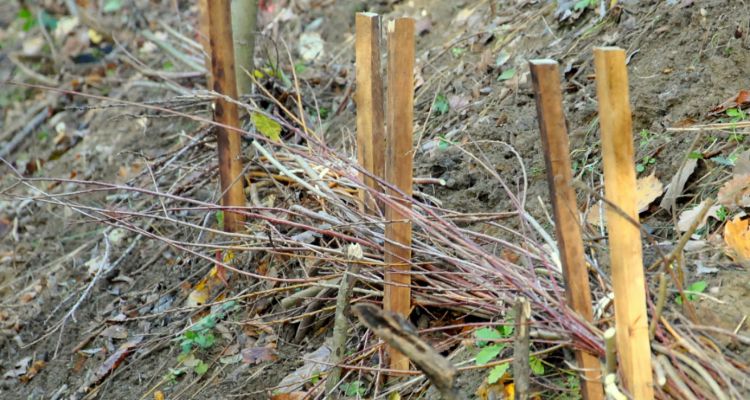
point(457, 102)
point(677, 185)
point(199, 295)
point(648, 189)
point(741, 99)
point(257, 355)
point(742, 164)
point(311, 46)
point(115, 332)
point(19, 369)
point(737, 238)
point(316, 363)
point(687, 217)
point(736, 192)
point(37, 366)
point(266, 126)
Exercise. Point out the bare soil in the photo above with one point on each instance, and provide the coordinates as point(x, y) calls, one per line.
point(684, 59)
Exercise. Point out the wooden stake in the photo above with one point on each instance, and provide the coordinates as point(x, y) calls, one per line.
point(545, 76)
point(626, 260)
point(398, 172)
point(225, 112)
point(369, 99)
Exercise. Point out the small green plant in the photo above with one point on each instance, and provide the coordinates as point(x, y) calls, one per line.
point(645, 136)
point(457, 51)
point(356, 388)
point(28, 19)
point(220, 219)
point(645, 162)
point(441, 105)
point(736, 115)
point(200, 336)
point(692, 291)
point(506, 74)
point(695, 155)
point(722, 213)
point(489, 350)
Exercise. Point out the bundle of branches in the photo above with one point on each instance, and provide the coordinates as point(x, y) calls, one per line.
point(304, 211)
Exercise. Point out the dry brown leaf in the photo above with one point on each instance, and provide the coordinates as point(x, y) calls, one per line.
point(687, 217)
point(648, 189)
point(677, 185)
point(742, 164)
point(737, 238)
point(736, 192)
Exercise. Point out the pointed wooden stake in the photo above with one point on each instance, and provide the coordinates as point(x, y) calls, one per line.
point(369, 99)
point(626, 258)
point(545, 76)
point(398, 171)
point(226, 113)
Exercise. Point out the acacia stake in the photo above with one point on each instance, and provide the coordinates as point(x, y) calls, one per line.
point(545, 76)
point(626, 259)
point(225, 112)
point(398, 172)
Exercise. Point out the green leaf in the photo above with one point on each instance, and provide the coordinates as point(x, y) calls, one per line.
point(28, 19)
point(727, 162)
point(536, 365)
point(201, 368)
point(441, 105)
point(489, 353)
point(690, 291)
point(734, 113)
point(265, 125)
point(186, 346)
point(581, 4)
point(300, 67)
point(497, 373)
point(507, 330)
point(220, 219)
point(353, 389)
point(205, 341)
point(507, 74)
point(112, 6)
point(695, 155)
point(324, 112)
point(488, 334)
point(639, 168)
point(167, 65)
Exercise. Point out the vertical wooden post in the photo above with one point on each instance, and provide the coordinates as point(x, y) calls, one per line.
point(369, 99)
point(626, 259)
point(545, 76)
point(398, 171)
point(225, 112)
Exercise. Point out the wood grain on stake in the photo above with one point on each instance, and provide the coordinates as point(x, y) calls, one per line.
point(631, 321)
point(369, 99)
point(398, 172)
point(225, 112)
point(545, 76)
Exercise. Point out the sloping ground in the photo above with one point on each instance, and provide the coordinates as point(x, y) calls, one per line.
point(119, 332)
